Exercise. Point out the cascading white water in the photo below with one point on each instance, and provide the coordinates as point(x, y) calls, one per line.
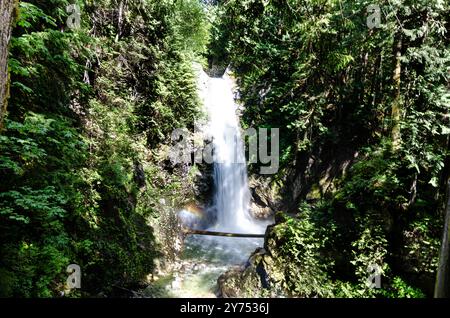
point(232, 196)
point(212, 255)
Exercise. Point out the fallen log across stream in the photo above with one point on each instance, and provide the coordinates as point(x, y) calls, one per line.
point(210, 233)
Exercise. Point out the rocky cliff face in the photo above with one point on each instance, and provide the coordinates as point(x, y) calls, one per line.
point(265, 198)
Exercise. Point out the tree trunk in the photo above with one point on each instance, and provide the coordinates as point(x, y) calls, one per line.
point(397, 102)
point(7, 11)
point(442, 288)
point(209, 233)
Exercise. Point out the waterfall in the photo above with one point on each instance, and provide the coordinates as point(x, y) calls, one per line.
point(205, 258)
point(232, 196)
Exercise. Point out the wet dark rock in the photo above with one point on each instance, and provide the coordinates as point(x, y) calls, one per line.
point(139, 174)
point(264, 198)
point(261, 277)
point(204, 183)
point(216, 69)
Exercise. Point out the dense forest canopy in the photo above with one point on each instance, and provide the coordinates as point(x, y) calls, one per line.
point(77, 164)
point(364, 113)
point(363, 107)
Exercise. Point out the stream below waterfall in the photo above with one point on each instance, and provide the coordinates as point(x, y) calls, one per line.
point(205, 258)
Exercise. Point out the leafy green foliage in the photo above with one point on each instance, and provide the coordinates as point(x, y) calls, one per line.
point(38, 158)
point(300, 246)
point(315, 69)
point(76, 169)
point(403, 290)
